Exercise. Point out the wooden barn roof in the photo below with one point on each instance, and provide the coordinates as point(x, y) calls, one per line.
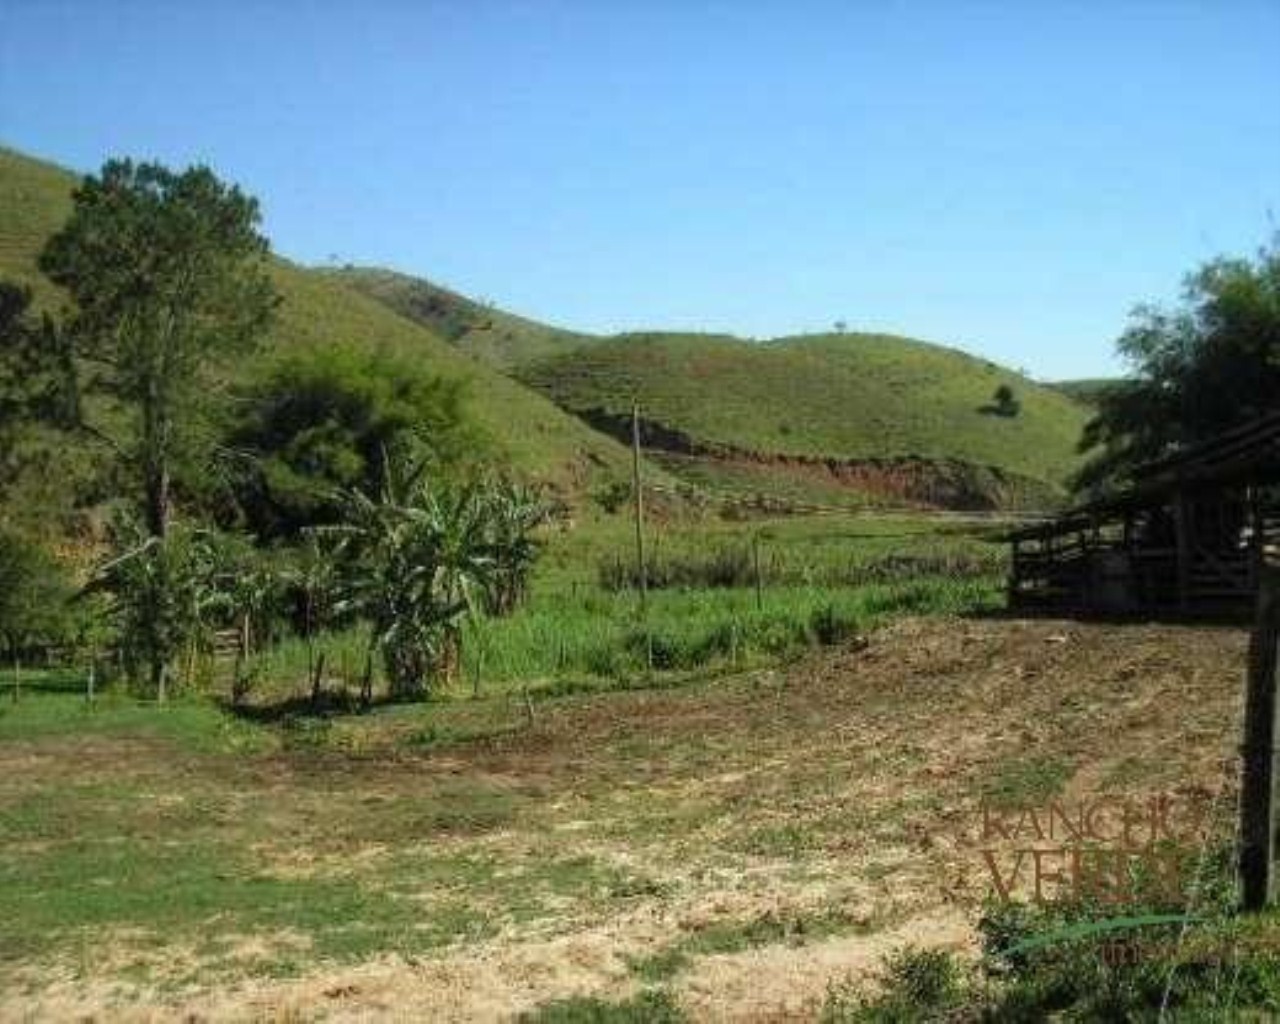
point(1247, 454)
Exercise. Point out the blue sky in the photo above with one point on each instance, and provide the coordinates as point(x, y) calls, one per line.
point(1010, 178)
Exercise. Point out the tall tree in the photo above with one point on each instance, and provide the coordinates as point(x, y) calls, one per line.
point(167, 272)
point(1209, 364)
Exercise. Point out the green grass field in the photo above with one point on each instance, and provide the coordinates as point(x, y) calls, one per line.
point(822, 582)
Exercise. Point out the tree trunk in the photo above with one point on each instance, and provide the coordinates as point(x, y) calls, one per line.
point(157, 498)
point(155, 463)
point(366, 684)
point(158, 672)
point(317, 680)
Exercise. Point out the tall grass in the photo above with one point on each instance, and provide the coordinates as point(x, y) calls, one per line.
point(602, 636)
point(599, 640)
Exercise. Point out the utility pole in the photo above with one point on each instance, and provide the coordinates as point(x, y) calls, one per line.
point(639, 510)
point(1258, 791)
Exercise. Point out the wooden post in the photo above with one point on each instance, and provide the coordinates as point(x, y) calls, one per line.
point(755, 558)
point(1258, 795)
point(89, 683)
point(1257, 539)
point(639, 515)
point(1182, 527)
point(17, 678)
point(317, 679)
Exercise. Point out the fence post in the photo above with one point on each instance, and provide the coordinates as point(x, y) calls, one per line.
point(639, 509)
point(755, 559)
point(1258, 784)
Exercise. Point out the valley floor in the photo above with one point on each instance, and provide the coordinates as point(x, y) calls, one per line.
point(739, 844)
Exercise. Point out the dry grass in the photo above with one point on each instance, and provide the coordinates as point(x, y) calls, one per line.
point(767, 833)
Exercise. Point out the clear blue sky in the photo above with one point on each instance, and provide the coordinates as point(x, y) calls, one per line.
point(1007, 177)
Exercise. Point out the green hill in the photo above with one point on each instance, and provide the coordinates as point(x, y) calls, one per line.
point(875, 413)
point(527, 431)
point(824, 419)
point(489, 334)
point(1087, 392)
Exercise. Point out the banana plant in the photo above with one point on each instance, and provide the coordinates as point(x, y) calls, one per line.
point(514, 512)
point(161, 592)
point(415, 560)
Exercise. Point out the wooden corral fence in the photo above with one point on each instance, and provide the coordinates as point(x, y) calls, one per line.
point(1189, 537)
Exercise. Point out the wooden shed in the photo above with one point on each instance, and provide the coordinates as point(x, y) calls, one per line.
point(1187, 539)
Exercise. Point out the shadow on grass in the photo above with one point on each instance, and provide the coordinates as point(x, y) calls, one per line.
point(327, 705)
point(46, 680)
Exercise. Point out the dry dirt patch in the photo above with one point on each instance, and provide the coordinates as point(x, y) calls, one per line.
point(849, 782)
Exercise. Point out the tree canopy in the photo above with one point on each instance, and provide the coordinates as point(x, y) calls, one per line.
point(1198, 369)
point(322, 422)
point(167, 274)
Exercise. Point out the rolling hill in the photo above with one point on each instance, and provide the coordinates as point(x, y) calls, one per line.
point(872, 413)
point(1088, 392)
point(478, 328)
point(526, 430)
point(848, 419)
point(823, 419)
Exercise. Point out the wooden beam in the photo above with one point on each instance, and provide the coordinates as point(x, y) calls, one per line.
point(1182, 529)
point(1258, 816)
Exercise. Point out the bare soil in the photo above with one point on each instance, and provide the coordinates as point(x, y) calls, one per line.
point(849, 784)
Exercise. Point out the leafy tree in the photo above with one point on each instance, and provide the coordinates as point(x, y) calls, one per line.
point(415, 563)
point(38, 399)
point(1005, 402)
point(326, 422)
point(312, 581)
point(1199, 369)
point(37, 369)
point(167, 273)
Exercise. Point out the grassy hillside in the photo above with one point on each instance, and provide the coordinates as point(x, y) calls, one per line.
point(1086, 392)
point(821, 397)
point(527, 431)
point(751, 419)
point(489, 334)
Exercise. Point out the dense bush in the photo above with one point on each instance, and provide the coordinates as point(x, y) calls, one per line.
point(322, 422)
point(35, 613)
